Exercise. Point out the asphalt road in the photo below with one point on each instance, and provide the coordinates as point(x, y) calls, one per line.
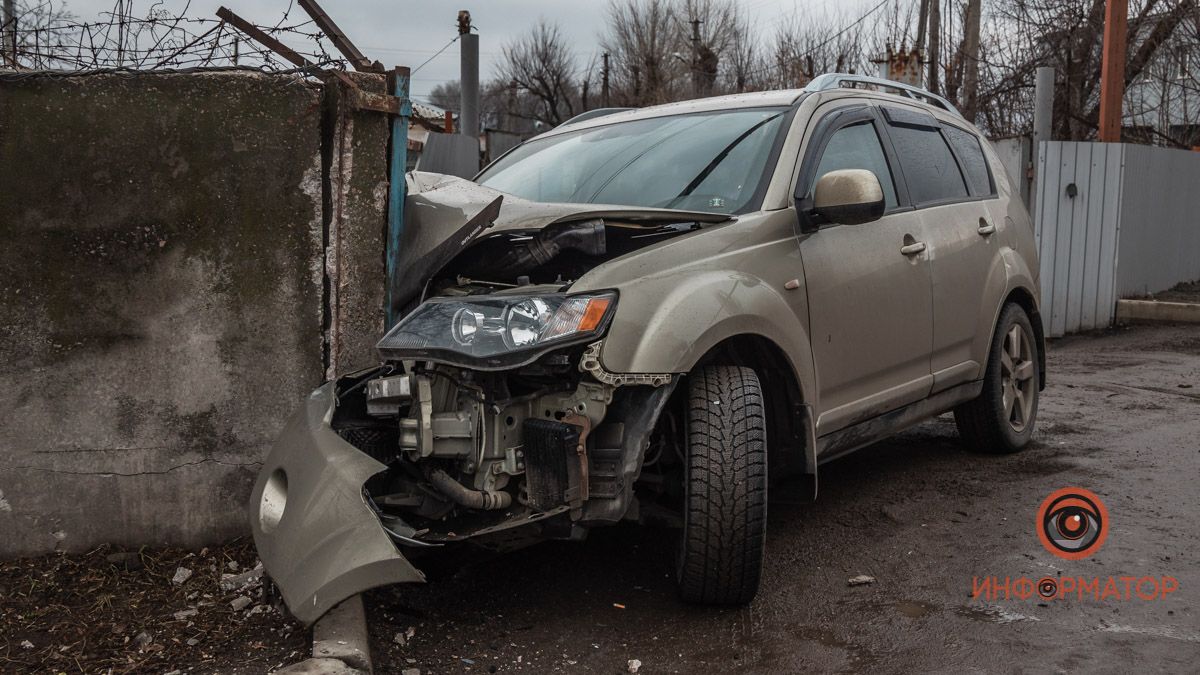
point(1121, 417)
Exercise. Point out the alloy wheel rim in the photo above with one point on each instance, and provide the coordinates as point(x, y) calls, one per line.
point(1017, 382)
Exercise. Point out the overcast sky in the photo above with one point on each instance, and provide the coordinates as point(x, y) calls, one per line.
point(407, 32)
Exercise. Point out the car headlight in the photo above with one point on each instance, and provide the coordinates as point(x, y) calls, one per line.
point(496, 331)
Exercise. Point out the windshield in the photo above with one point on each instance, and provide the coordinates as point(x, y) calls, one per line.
point(712, 161)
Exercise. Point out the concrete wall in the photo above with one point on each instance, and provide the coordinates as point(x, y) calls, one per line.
point(164, 293)
point(1160, 220)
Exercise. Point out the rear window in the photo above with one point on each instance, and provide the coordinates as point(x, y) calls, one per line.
point(929, 167)
point(966, 144)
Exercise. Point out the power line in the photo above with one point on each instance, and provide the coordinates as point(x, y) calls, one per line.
point(439, 53)
point(831, 38)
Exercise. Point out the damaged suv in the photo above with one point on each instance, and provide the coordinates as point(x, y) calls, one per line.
point(652, 315)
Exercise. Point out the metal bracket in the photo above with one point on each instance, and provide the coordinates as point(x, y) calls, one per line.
point(590, 363)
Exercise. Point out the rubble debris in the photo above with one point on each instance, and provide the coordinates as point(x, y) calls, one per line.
point(633, 666)
point(240, 602)
point(860, 580)
point(186, 613)
point(182, 574)
point(239, 582)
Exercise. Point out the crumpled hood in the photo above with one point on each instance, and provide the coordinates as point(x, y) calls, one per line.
point(439, 207)
point(437, 204)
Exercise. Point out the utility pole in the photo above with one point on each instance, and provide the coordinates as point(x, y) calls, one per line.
point(935, 43)
point(1112, 70)
point(468, 122)
point(922, 24)
point(970, 90)
point(10, 33)
point(1043, 125)
point(603, 79)
point(695, 57)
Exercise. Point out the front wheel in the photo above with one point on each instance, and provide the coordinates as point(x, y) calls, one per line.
point(725, 488)
point(1002, 418)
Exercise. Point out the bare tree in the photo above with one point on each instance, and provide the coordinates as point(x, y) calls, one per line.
point(645, 61)
point(806, 48)
point(543, 66)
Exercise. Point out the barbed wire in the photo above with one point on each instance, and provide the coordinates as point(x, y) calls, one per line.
point(51, 39)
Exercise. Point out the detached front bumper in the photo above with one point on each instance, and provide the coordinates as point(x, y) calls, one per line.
point(317, 538)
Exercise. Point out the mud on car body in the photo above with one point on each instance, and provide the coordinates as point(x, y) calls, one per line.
point(640, 317)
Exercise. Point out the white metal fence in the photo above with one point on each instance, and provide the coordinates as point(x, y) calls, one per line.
point(1112, 220)
point(1077, 219)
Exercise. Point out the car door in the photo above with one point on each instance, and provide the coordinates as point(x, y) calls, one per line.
point(869, 286)
point(948, 182)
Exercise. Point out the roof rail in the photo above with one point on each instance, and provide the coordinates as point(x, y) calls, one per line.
point(593, 114)
point(834, 81)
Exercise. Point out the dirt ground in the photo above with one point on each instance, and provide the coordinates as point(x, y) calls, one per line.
point(1120, 417)
point(110, 611)
point(1188, 291)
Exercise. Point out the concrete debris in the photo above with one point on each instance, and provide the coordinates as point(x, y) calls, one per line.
point(342, 634)
point(26, 644)
point(232, 565)
point(192, 642)
point(182, 574)
point(185, 613)
point(411, 671)
point(318, 666)
point(237, 582)
point(634, 665)
point(860, 580)
point(143, 640)
point(240, 602)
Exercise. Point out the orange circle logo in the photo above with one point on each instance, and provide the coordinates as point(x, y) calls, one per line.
point(1072, 523)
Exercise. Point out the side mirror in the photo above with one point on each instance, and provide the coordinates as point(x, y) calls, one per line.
point(849, 197)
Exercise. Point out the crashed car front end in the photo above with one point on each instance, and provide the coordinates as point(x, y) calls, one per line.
point(492, 420)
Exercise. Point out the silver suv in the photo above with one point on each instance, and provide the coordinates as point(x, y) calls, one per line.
point(653, 315)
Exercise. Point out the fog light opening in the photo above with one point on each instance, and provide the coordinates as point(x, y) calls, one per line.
point(274, 499)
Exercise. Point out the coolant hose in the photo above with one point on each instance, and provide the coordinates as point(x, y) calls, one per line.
point(464, 496)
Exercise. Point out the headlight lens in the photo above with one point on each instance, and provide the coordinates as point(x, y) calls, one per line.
point(496, 331)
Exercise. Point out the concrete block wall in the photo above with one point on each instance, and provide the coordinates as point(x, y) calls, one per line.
point(164, 293)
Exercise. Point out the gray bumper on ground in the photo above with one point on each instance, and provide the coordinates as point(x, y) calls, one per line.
point(317, 538)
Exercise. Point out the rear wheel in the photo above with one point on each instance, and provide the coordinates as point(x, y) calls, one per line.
point(1002, 418)
point(725, 487)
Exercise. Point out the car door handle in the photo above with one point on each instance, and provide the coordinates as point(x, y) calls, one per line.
point(913, 249)
point(985, 228)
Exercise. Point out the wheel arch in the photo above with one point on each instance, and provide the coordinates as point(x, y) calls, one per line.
point(791, 441)
point(1023, 297)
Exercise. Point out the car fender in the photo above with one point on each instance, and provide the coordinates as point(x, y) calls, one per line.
point(1007, 273)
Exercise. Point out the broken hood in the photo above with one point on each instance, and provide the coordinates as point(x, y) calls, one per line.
point(443, 215)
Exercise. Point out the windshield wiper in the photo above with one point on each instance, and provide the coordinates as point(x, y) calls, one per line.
point(716, 161)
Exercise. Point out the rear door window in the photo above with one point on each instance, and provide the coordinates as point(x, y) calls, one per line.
point(966, 144)
point(930, 170)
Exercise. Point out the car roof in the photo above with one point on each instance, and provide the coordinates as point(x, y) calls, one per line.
point(828, 84)
point(754, 99)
